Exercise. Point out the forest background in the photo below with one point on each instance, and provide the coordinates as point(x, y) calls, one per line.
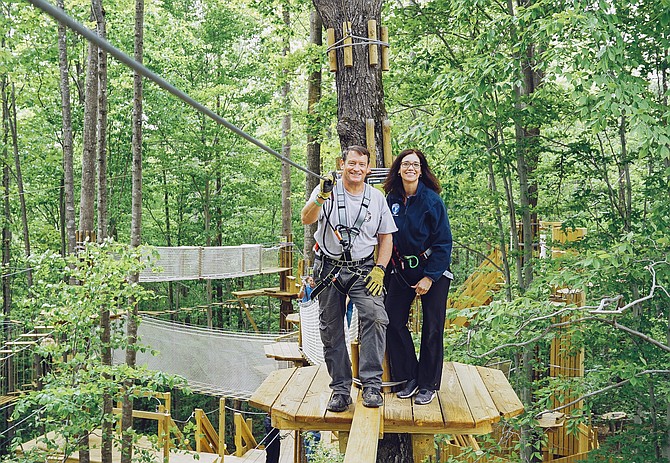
point(582, 138)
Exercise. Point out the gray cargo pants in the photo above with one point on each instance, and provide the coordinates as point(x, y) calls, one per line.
point(372, 322)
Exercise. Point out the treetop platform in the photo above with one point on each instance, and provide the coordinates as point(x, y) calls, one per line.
point(470, 401)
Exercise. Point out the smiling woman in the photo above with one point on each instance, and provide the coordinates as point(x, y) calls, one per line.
point(421, 260)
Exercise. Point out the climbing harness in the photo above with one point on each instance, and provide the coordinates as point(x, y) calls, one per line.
point(346, 235)
point(63, 18)
point(398, 262)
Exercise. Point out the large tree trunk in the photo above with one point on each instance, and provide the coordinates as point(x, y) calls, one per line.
point(135, 231)
point(313, 128)
point(360, 94)
point(88, 176)
point(68, 172)
point(19, 185)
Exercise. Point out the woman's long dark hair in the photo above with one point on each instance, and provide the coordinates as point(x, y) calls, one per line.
point(393, 182)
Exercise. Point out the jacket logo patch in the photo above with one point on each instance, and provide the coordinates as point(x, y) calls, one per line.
point(395, 209)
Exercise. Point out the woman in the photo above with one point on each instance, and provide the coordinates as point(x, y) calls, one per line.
point(421, 261)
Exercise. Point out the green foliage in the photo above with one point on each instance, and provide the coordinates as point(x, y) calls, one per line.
point(69, 295)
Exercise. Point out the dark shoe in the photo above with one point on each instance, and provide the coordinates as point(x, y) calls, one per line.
point(411, 388)
point(424, 397)
point(372, 398)
point(338, 403)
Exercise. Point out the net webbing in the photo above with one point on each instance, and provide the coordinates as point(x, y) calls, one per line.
point(214, 362)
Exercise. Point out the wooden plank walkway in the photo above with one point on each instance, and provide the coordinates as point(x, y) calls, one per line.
point(470, 401)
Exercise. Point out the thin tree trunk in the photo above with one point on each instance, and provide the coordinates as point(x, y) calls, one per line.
point(625, 189)
point(70, 225)
point(19, 185)
point(99, 13)
point(88, 180)
point(168, 237)
point(286, 132)
point(105, 328)
point(314, 127)
point(135, 232)
point(499, 224)
point(6, 230)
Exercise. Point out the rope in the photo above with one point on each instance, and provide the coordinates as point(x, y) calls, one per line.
point(91, 36)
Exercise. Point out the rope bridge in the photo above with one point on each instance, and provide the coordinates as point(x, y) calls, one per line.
point(211, 262)
point(214, 362)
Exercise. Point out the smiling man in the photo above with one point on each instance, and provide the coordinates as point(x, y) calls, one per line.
point(352, 218)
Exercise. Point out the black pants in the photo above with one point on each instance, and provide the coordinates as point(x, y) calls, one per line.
point(427, 369)
point(272, 442)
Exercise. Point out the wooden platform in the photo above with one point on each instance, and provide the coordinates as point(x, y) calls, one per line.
point(289, 351)
point(470, 401)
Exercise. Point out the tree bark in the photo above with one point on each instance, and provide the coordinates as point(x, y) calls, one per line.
point(68, 171)
point(88, 180)
point(286, 131)
point(135, 232)
point(101, 27)
point(19, 185)
point(360, 93)
point(6, 230)
point(314, 128)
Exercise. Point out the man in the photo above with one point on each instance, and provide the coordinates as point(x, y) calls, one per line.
point(308, 285)
point(353, 218)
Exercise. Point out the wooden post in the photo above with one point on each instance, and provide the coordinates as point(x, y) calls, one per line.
point(198, 430)
point(348, 49)
point(373, 47)
point(164, 436)
point(354, 359)
point(286, 260)
point(386, 139)
point(384, 36)
point(239, 450)
point(370, 141)
point(332, 54)
point(423, 445)
point(222, 428)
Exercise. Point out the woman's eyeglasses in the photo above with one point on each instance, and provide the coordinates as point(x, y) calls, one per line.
point(407, 165)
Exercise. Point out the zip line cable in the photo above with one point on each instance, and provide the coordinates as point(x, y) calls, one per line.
point(63, 18)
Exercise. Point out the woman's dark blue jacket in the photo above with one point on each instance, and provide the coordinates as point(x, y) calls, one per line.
point(422, 223)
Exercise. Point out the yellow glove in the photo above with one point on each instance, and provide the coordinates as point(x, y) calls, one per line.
point(327, 186)
point(374, 281)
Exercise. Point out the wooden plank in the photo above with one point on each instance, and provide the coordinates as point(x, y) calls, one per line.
point(479, 400)
point(455, 410)
point(266, 394)
point(429, 415)
point(504, 397)
point(313, 407)
point(291, 397)
point(364, 435)
point(284, 351)
point(346, 416)
point(397, 412)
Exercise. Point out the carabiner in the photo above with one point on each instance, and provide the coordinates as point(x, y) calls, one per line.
point(412, 261)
